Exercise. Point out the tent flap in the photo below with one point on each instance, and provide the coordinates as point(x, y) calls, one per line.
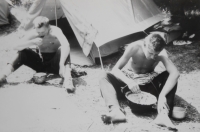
point(83, 29)
point(4, 12)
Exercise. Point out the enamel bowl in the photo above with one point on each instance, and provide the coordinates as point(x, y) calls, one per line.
point(39, 78)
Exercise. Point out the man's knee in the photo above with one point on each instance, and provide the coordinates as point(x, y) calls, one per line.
point(58, 51)
point(165, 74)
point(17, 60)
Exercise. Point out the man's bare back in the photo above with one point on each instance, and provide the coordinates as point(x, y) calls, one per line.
point(138, 62)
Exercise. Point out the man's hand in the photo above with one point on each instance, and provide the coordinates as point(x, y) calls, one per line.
point(62, 71)
point(134, 87)
point(162, 104)
point(37, 41)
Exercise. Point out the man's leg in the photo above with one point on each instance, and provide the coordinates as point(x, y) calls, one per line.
point(13, 65)
point(19, 59)
point(110, 90)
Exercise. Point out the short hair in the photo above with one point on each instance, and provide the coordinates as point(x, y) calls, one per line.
point(41, 21)
point(155, 41)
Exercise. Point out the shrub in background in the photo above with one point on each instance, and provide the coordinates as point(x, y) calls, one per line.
point(25, 3)
point(183, 8)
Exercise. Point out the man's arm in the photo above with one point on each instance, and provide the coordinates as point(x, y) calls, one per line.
point(65, 48)
point(30, 39)
point(173, 75)
point(170, 83)
point(121, 63)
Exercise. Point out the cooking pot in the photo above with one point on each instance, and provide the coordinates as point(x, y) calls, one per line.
point(141, 102)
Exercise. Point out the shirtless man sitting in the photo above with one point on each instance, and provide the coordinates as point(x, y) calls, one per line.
point(141, 59)
point(44, 49)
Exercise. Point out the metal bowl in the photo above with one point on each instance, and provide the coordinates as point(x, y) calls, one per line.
point(179, 112)
point(141, 102)
point(39, 78)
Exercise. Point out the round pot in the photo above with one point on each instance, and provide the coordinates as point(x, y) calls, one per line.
point(141, 102)
point(179, 112)
point(39, 78)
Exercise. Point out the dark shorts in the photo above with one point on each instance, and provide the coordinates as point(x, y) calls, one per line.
point(30, 58)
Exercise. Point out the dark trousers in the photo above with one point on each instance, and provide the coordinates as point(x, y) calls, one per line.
point(155, 87)
point(30, 58)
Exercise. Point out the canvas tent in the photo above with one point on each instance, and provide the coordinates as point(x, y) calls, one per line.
point(4, 12)
point(100, 26)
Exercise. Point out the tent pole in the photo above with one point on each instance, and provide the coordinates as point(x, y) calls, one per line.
point(100, 59)
point(56, 13)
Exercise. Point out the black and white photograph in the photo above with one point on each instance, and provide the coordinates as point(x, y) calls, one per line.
point(99, 65)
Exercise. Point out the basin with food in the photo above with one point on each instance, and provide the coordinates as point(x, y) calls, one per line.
point(179, 112)
point(141, 102)
point(39, 78)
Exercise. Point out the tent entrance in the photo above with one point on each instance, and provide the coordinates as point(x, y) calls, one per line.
point(76, 53)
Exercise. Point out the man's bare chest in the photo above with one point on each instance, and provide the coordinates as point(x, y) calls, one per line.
point(142, 65)
point(142, 62)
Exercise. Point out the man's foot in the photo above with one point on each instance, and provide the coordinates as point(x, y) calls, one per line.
point(163, 120)
point(68, 84)
point(2, 80)
point(115, 115)
point(71, 90)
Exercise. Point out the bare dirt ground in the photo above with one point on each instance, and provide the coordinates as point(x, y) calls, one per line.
point(28, 107)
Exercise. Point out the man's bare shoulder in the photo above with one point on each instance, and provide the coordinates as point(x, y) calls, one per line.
point(163, 59)
point(163, 55)
point(134, 47)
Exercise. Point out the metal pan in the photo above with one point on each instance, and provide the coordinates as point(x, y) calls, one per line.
point(141, 102)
